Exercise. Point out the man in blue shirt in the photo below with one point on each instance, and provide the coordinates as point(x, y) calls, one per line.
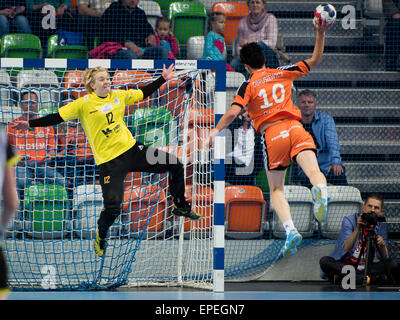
point(352, 239)
point(322, 128)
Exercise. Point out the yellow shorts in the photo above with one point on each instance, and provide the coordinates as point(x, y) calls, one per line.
point(283, 142)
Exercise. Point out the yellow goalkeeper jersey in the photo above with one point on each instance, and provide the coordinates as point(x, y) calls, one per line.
point(103, 121)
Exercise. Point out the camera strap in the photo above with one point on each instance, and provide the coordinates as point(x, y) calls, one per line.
point(363, 240)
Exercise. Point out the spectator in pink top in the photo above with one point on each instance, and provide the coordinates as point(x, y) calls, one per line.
point(166, 38)
point(261, 27)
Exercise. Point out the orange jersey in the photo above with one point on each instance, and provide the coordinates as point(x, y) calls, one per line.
point(34, 144)
point(268, 94)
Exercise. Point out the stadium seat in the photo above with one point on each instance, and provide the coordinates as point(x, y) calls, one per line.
point(208, 4)
point(195, 48)
point(45, 84)
point(164, 4)
point(244, 212)
point(151, 126)
point(133, 79)
point(177, 151)
point(343, 201)
point(152, 10)
point(73, 85)
point(146, 208)
point(55, 50)
point(301, 209)
point(201, 122)
point(234, 12)
point(20, 45)
point(8, 111)
point(46, 211)
point(188, 19)
point(87, 205)
point(173, 95)
point(133, 179)
point(202, 200)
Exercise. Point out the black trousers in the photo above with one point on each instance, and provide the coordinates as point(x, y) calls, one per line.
point(3, 270)
point(139, 158)
point(389, 267)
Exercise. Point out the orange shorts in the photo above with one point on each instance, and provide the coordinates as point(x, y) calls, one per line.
point(283, 142)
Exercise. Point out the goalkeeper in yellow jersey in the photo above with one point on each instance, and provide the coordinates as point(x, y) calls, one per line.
point(115, 150)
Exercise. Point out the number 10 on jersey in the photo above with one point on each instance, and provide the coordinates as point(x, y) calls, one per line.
point(277, 99)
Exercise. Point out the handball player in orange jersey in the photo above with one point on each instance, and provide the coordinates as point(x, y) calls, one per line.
point(268, 100)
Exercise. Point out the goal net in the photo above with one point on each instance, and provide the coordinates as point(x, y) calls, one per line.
point(50, 243)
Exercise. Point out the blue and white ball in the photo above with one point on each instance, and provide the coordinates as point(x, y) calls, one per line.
point(325, 12)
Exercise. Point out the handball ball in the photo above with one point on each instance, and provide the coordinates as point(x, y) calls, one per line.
point(325, 12)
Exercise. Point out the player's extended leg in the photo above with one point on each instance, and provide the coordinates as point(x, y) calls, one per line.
point(112, 175)
point(307, 160)
point(276, 180)
point(148, 159)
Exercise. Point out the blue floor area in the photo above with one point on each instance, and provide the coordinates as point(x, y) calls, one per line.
point(203, 295)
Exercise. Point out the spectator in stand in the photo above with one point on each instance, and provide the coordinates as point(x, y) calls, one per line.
point(12, 18)
point(126, 24)
point(214, 43)
point(391, 10)
point(322, 128)
point(261, 27)
point(166, 38)
point(47, 17)
point(36, 146)
point(89, 18)
point(74, 154)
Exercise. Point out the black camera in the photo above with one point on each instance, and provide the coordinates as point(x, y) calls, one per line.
point(371, 219)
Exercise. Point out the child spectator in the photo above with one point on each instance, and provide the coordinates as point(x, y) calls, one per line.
point(166, 38)
point(214, 41)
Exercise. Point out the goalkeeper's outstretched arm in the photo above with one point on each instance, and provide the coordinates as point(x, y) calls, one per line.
point(49, 120)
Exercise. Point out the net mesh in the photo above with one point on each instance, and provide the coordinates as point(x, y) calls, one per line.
point(50, 241)
point(356, 84)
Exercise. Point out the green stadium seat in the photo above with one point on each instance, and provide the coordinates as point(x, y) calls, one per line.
point(46, 210)
point(55, 50)
point(20, 45)
point(151, 126)
point(164, 4)
point(188, 19)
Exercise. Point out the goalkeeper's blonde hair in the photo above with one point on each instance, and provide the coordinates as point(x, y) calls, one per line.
point(90, 74)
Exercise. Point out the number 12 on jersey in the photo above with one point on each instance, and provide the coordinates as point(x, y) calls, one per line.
point(263, 94)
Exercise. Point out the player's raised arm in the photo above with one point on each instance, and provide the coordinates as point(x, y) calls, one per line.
point(167, 74)
point(316, 57)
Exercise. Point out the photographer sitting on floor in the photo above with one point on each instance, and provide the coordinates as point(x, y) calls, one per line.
point(350, 244)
